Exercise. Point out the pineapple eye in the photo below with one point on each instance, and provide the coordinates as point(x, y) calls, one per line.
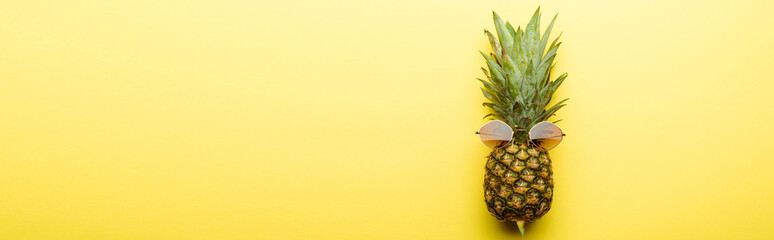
point(521, 183)
point(510, 174)
point(540, 181)
point(528, 174)
point(533, 163)
point(533, 194)
point(490, 163)
point(493, 184)
point(516, 201)
point(510, 177)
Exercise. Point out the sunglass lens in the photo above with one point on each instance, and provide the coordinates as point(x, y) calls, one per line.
point(495, 134)
point(546, 135)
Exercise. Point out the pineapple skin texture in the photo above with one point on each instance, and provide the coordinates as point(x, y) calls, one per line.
point(519, 183)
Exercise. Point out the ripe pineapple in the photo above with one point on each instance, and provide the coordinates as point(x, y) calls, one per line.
point(518, 184)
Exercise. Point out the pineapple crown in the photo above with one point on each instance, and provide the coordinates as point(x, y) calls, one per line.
point(519, 86)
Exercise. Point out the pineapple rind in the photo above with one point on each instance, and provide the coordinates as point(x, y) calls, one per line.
point(514, 189)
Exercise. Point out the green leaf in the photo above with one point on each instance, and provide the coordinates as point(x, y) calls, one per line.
point(486, 72)
point(558, 104)
point(520, 57)
point(529, 80)
point(525, 122)
point(508, 65)
point(551, 54)
point(506, 40)
point(490, 96)
point(551, 88)
point(546, 65)
point(490, 87)
point(512, 31)
point(535, 20)
point(496, 108)
point(544, 40)
point(496, 48)
point(558, 82)
point(531, 38)
point(556, 39)
point(548, 113)
point(544, 82)
point(494, 69)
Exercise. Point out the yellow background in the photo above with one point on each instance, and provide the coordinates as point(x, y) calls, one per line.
point(355, 119)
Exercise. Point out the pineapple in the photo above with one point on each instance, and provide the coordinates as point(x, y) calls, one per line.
point(519, 183)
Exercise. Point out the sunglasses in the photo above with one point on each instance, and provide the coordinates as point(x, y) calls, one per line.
point(496, 134)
